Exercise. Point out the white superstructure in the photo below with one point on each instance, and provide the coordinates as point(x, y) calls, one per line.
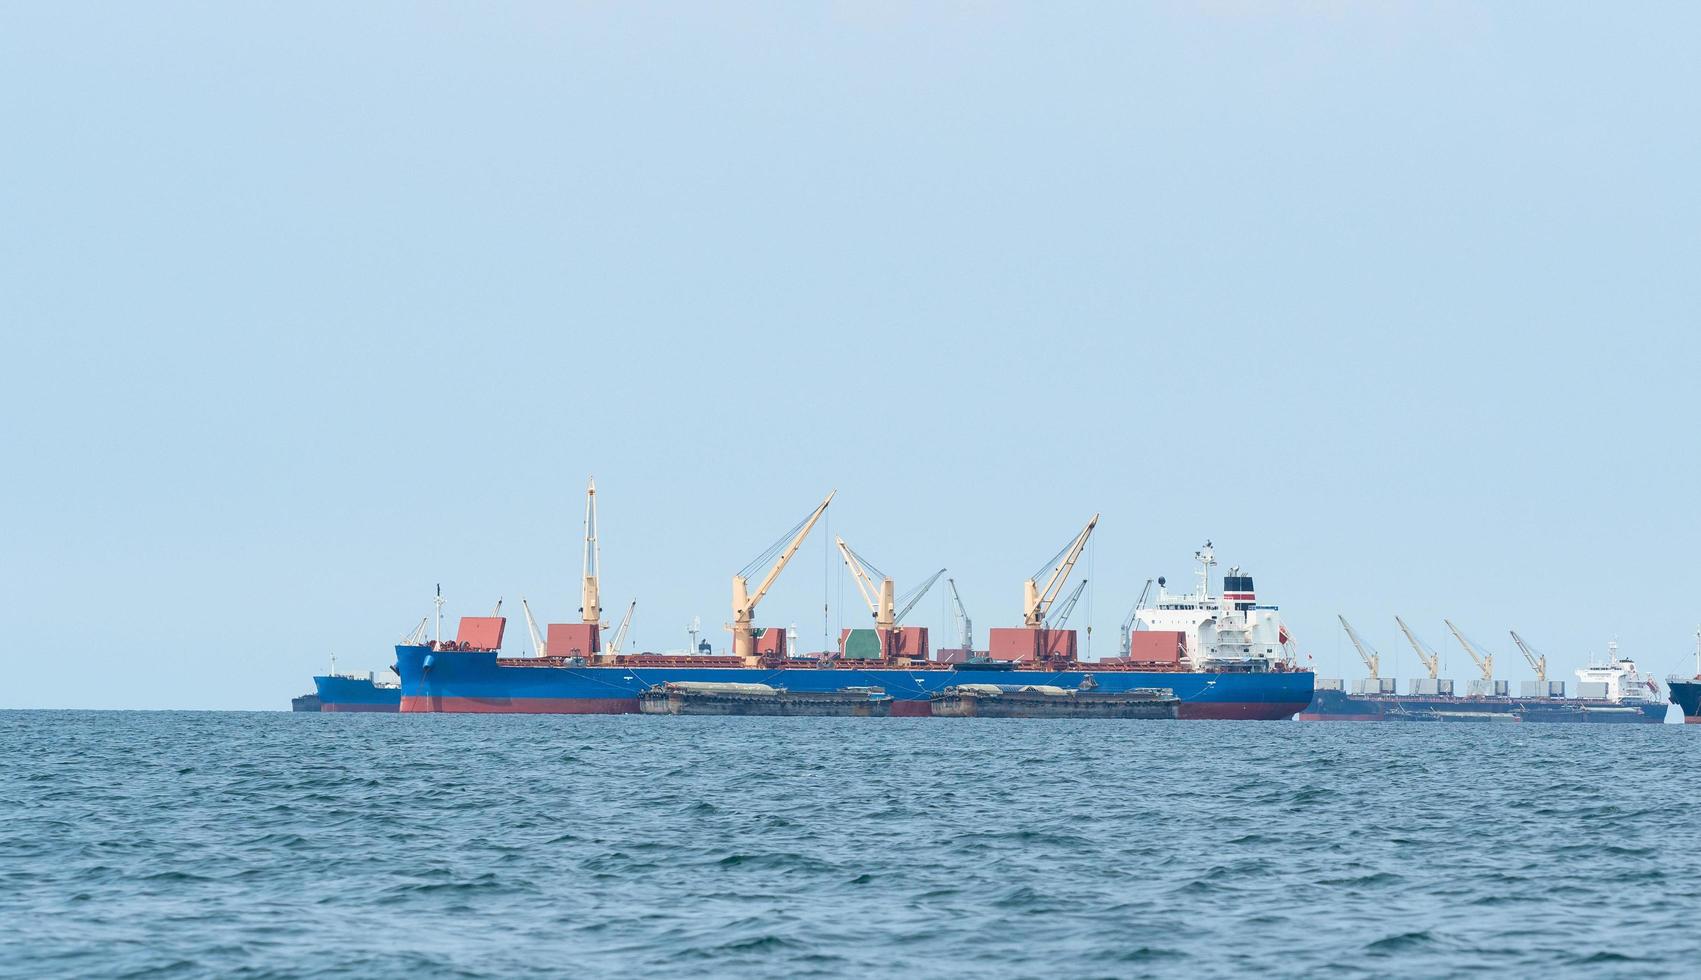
point(1621, 680)
point(1230, 629)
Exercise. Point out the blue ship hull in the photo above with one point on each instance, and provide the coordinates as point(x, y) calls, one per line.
point(355, 694)
point(1340, 706)
point(466, 681)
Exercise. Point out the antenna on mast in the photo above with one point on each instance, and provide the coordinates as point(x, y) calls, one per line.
point(439, 603)
point(1206, 557)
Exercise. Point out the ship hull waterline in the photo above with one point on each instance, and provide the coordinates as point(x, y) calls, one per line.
point(474, 682)
point(1338, 706)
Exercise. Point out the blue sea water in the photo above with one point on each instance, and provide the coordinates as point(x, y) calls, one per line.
point(249, 844)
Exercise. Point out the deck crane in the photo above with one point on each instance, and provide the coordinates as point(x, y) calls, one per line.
point(910, 598)
point(620, 632)
point(1132, 621)
point(531, 624)
point(1037, 601)
point(1485, 660)
point(966, 628)
point(1066, 607)
point(590, 605)
point(1538, 662)
point(416, 636)
point(1431, 660)
point(1366, 652)
point(881, 598)
point(744, 600)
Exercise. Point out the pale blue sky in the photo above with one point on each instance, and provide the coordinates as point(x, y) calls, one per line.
point(308, 307)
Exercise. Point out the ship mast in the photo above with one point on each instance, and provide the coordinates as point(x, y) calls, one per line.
point(438, 644)
point(1206, 557)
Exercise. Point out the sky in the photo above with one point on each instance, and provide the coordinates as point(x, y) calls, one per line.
point(307, 308)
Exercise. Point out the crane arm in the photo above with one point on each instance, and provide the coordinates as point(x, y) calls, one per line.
point(620, 633)
point(1132, 621)
point(416, 636)
point(785, 556)
point(968, 630)
point(909, 601)
point(1485, 661)
point(1537, 662)
point(1067, 606)
point(531, 624)
point(1040, 600)
point(1365, 651)
point(861, 576)
point(1431, 660)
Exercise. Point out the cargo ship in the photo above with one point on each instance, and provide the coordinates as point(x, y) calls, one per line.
point(1686, 691)
point(335, 691)
point(1223, 655)
point(1613, 692)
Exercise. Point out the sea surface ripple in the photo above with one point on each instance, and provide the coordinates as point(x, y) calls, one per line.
point(165, 844)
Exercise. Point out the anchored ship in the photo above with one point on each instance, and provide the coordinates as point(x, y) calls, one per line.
point(1222, 655)
point(1610, 692)
point(335, 691)
point(1686, 691)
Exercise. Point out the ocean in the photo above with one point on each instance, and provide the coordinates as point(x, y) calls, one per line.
point(183, 844)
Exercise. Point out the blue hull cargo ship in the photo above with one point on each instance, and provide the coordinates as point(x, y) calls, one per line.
point(350, 692)
point(482, 681)
point(1223, 655)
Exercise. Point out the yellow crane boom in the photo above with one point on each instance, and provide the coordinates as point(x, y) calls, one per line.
point(1035, 600)
point(1431, 660)
point(1366, 652)
point(881, 598)
point(1485, 660)
point(590, 604)
point(1538, 662)
point(744, 600)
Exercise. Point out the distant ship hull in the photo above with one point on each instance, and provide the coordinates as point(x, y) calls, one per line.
point(337, 693)
point(474, 681)
point(1687, 696)
point(1340, 706)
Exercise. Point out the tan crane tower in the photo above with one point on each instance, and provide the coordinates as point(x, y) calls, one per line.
point(1431, 660)
point(744, 601)
point(882, 599)
point(1537, 662)
point(1484, 660)
point(590, 606)
point(1372, 661)
point(1035, 600)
